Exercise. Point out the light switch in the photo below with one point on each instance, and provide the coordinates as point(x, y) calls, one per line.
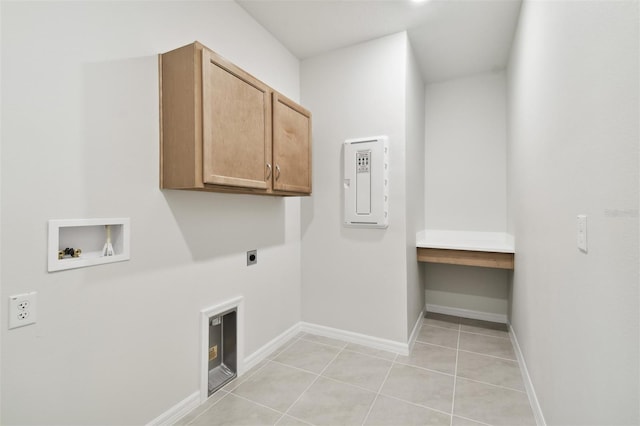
point(582, 232)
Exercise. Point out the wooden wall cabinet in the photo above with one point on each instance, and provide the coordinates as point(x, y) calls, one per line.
point(221, 129)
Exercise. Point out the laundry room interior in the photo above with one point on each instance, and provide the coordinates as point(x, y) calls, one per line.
point(464, 159)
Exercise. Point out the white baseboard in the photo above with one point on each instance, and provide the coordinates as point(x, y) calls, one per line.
point(467, 313)
point(416, 329)
point(357, 338)
point(528, 384)
point(178, 411)
point(334, 333)
point(267, 349)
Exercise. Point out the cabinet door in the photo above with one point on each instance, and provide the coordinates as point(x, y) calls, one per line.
point(236, 123)
point(291, 146)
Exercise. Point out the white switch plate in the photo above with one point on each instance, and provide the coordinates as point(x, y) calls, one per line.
point(582, 232)
point(23, 309)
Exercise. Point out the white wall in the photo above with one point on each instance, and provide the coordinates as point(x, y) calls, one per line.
point(466, 184)
point(118, 344)
point(574, 131)
point(355, 279)
point(465, 154)
point(2, 312)
point(415, 186)
point(482, 290)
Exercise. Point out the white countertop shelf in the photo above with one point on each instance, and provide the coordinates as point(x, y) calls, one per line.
point(484, 249)
point(495, 242)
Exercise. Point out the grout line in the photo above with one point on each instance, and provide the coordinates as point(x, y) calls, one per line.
point(395, 355)
point(486, 335)
point(295, 368)
point(455, 376)
point(312, 383)
point(479, 332)
point(380, 389)
point(282, 414)
point(396, 362)
point(386, 376)
point(488, 355)
point(415, 404)
point(256, 403)
point(209, 408)
point(434, 344)
point(493, 385)
point(348, 384)
point(267, 362)
point(260, 405)
point(282, 349)
point(298, 419)
point(472, 420)
point(373, 356)
point(425, 369)
point(366, 417)
point(240, 380)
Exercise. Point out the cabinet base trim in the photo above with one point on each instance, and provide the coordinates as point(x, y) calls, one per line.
point(466, 257)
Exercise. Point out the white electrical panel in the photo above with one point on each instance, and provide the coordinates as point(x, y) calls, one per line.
point(366, 182)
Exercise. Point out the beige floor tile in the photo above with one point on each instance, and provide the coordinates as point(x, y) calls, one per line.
point(392, 412)
point(484, 327)
point(459, 421)
point(232, 410)
point(431, 357)
point(239, 380)
point(491, 404)
point(325, 340)
point(487, 345)
point(441, 320)
point(431, 389)
point(291, 421)
point(308, 355)
point(276, 386)
point(379, 353)
point(438, 336)
point(496, 371)
point(359, 370)
point(418, 388)
point(284, 347)
point(328, 402)
point(193, 414)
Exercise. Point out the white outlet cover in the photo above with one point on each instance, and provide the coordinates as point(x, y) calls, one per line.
point(23, 309)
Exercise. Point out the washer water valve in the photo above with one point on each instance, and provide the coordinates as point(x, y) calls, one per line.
point(70, 252)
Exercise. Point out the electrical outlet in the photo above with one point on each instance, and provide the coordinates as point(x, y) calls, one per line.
point(22, 309)
point(252, 257)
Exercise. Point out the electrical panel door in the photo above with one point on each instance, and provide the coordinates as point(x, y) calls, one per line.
point(366, 182)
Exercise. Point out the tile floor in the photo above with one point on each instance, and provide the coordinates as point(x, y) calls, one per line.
point(461, 372)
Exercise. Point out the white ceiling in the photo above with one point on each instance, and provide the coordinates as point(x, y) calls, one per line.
point(451, 38)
